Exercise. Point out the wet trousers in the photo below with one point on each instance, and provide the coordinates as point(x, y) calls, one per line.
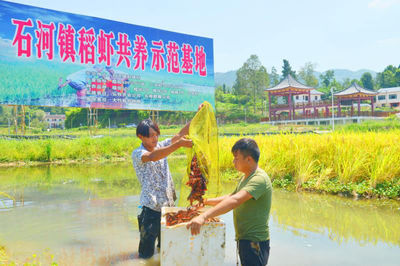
point(149, 228)
point(253, 253)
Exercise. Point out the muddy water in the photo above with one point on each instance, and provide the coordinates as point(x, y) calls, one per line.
point(86, 215)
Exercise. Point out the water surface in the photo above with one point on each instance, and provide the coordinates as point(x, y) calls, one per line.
point(86, 215)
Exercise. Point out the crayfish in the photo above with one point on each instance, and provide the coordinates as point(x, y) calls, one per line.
point(197, 182)
point(183, 216)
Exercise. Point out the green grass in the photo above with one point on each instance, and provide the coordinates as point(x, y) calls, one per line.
point(168, 130)
point(35, 81)
point(84, 149)
point(387, 124)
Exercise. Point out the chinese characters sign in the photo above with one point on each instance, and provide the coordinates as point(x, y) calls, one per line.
point(53, 58)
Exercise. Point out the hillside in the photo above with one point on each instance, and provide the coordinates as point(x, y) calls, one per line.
point(228, 78)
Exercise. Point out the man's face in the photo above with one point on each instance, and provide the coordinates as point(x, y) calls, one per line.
point(239, 161)
point(151, 141)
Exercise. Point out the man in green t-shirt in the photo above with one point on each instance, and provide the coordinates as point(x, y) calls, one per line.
point(250, 202)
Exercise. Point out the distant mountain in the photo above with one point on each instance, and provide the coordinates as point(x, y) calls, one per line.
point(228, 78)
point(342, 74)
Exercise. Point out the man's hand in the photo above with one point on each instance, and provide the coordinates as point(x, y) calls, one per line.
point(184, 142)
point(200, 106)
point(195, 224)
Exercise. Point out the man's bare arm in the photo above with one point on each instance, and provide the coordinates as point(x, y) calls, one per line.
point(183, 132)
point(215, 201)
point(163, 152)
point(229, 203)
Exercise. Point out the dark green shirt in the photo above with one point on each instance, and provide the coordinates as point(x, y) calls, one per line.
point(251, 217)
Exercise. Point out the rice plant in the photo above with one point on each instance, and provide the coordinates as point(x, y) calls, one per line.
point(341, 157)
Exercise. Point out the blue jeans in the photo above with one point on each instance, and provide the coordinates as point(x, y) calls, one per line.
point(253, 253)
point(149, 228)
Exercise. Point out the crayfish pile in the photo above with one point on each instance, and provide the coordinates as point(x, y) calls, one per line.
point(197, 182)
point(183, 216)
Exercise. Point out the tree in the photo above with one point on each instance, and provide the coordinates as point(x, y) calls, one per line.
point(387, 78)
point(287, 69)
point(251, 79)
point(274, 77)
point(327, 77)
point(38, 119)
point(306, 73)
point(367, 81)
point(39, 114)
point(5, 114)
point(36, 123)
point(346, 83)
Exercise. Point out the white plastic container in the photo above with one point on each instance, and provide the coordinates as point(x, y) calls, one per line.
point(179, 247)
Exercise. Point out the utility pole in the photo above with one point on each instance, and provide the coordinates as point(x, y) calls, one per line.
point(333, 111)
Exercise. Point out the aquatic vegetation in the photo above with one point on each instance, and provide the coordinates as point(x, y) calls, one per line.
point(364, 163)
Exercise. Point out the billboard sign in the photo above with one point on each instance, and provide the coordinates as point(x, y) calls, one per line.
point(52, 58)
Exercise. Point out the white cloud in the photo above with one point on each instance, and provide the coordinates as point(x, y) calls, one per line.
point(395, 41)
point(6, 47)
point(382, 4)
point(5, 42)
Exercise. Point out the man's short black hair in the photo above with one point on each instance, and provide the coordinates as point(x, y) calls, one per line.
point(247, 147)
point(143, 128)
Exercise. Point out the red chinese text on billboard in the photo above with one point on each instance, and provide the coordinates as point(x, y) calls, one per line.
point(200, 61)
point(124, 52)
point(101, 46)
point(45, 39)
point(87, 48)
point(23, 41)
point(66, 42)
point(105, 48)
point(172, 57)
point(157, 62)
point(140, 52)
point(187, 60)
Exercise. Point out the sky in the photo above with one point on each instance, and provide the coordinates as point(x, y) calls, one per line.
point(351, 34)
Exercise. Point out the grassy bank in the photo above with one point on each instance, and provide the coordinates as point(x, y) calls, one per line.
point(82, 149)
point(238, 128)
point(350, 163)
point(390, 123)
